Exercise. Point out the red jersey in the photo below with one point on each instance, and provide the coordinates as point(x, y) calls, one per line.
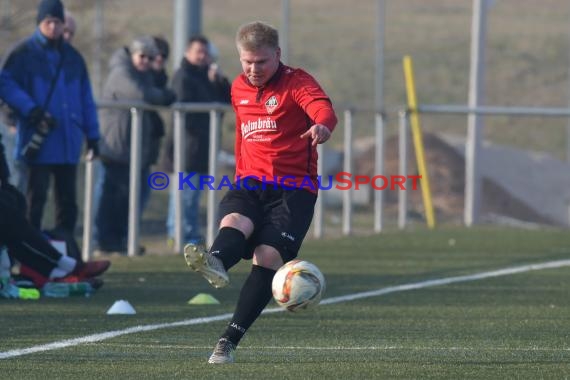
point(269, 121)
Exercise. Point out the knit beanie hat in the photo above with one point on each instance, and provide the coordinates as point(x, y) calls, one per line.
point(161, 46)
point(53, 8)
point(144, 45)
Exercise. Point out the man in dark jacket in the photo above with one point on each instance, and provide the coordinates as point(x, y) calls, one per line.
point(45, 81)
point(160, 80)
point(198, 80)
point(129, 79)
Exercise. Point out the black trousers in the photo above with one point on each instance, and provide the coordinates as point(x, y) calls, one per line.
point(65, 192)
point(24, 242)
point(112, 219)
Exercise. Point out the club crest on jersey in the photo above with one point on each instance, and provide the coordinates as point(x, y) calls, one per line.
point(271, 104)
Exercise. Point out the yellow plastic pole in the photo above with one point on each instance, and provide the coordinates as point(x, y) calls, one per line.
point(418, 140)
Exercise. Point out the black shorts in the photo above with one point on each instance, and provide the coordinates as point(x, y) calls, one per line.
point(281, 217)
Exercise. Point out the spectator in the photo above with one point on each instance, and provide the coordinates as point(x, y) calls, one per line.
point(159, 62)
point(45, 81)
point(160, 80)
point(198, 80)
point(69, 27)
point(129, 79)
point(8, 124)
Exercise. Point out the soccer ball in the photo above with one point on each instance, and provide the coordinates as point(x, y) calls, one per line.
point(298, 285)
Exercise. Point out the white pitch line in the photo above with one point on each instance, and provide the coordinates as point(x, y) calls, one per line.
point(351, 297)
point(336, 348)
point(404, 348)
point(448, 280)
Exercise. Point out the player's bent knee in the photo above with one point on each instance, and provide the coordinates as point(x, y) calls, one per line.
point(239, 222)
point(267, 257)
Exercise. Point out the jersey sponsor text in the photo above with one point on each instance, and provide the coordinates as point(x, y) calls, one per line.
point(260, 125)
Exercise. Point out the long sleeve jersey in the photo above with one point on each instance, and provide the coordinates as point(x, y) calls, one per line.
point(269, 122)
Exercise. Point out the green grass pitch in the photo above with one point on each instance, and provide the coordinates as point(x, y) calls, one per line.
point(510, 326)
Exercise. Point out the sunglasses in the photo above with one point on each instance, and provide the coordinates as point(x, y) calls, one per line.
point(145, 56)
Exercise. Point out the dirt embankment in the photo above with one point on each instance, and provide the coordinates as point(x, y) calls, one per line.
point(446, 167)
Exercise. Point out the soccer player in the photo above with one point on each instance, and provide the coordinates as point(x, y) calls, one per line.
point(282, 113)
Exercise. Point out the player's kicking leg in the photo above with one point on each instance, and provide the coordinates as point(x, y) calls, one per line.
point(211, 267)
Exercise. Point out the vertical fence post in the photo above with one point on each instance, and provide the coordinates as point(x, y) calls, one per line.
point(135, 181)
point(473, 184)
point(179, 166)
point(284, 30)
point(213, 170)
point(97, 49)
point(403, 167)
point(88, 211)
point(347, 195)
point(379, 170)
point(379, 117)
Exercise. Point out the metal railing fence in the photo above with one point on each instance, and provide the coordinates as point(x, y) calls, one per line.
point(472, 148)
point(178, 110)
point(216, 110)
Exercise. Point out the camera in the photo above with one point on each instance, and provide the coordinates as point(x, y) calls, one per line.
point(43, 126)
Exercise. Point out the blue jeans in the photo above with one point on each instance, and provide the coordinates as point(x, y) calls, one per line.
point(191, 210)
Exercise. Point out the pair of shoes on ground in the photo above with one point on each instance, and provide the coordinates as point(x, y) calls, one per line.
point(83, 272)
point(90, 269)
point(88, 272)
point(212, 269)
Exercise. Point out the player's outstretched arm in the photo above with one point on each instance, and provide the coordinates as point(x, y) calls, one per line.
point(319, 134)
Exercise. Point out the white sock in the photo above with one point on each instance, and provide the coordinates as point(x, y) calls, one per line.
point(4, 263)
point(58, 273)
point(67, 264)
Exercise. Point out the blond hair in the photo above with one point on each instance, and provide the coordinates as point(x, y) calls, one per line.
point(256, 35)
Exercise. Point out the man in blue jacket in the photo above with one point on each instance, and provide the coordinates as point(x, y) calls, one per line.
point(45, 80)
